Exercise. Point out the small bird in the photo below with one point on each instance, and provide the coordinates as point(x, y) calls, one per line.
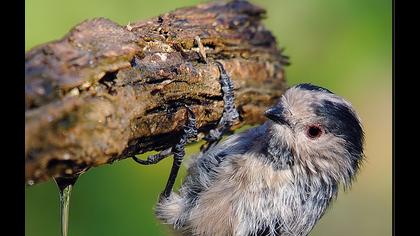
point(274, 179)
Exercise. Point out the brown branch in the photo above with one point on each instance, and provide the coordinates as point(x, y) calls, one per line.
point(106, 92)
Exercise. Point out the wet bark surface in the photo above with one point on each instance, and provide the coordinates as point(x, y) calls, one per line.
point(105, 92)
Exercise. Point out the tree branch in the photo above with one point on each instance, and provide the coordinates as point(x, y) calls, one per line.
point(106, 92)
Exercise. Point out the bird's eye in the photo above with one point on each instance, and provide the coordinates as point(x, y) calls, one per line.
point(314, 131)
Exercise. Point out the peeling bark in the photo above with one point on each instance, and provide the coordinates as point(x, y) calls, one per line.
point(106, 92)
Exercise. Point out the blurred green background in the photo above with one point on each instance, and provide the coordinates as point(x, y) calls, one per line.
point(343, 45)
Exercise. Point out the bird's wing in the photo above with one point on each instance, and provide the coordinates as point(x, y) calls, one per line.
point(237, 144)
point(204, 167)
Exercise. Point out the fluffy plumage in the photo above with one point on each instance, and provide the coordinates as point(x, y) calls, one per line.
point(275, 179)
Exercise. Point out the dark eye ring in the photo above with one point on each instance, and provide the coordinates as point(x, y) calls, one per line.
point(314, 131)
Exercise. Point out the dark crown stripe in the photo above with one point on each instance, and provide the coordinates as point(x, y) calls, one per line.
point(311, 87)
point(341, 121)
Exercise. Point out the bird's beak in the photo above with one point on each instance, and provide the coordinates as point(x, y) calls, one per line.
point(276, 114)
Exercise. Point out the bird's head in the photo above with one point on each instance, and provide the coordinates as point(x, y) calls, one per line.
point(322, 131)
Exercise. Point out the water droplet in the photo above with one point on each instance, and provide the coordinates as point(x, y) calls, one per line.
point(65, 185)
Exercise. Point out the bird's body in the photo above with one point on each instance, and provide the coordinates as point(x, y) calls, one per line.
point(275, 179)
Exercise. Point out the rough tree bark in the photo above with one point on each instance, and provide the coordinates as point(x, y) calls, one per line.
point(106, 92)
